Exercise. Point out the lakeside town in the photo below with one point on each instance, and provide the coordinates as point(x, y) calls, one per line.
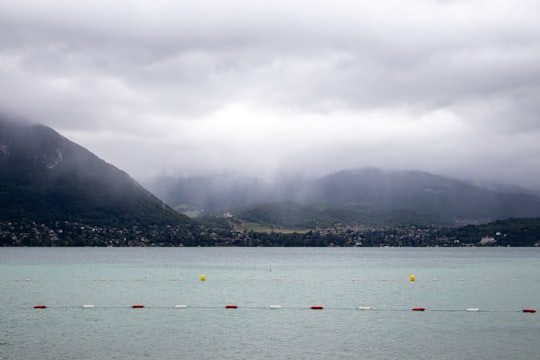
point(66, 233)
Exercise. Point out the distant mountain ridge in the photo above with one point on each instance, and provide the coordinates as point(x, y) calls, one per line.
point(424, 192)
point(46, 177)
point(368, 189)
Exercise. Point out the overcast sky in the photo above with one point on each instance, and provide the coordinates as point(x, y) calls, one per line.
point(259, 86)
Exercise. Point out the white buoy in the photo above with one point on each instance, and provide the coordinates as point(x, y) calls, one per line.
point(88, 306)
point(473, 309)
point(364, 308)
point(180, 306)
point(275, 306)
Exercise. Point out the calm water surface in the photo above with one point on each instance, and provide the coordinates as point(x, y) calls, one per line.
point(498, 281)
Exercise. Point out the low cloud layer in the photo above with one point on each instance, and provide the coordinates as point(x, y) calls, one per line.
point(257, 87)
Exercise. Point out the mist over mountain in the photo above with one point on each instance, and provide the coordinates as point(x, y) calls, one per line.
point(451, 200)
point(213, 193)
point(46, 177)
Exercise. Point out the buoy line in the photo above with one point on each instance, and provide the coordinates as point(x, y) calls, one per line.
point(277, 306)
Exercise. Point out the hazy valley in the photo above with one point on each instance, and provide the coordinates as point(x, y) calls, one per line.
point(368, 196)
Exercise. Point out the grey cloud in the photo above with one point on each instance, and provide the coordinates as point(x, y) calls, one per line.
point(113, 74)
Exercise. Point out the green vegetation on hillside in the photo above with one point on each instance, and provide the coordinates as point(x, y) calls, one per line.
point(47, 178)
point(511, 232)
point(290, 215)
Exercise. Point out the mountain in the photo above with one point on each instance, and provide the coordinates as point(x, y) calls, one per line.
point(423, 192)
point(45, 177)
point(361, 196)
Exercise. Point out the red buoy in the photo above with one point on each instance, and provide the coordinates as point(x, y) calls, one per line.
point(40, 306)
point(231, 306)
point(137, 306)
point(418, 309)
point(317, 307)
point(528, 310)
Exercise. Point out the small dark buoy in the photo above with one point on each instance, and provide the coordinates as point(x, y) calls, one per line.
point(40, 306)
point(137, 306)
point(528, 310)
point(418, 309)
point(231, 306)
point(317, 307)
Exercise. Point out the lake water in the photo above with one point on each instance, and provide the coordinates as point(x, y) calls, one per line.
point(500, 282)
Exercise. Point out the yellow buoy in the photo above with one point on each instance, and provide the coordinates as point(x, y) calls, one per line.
point(202, 277)
point(412, 278)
